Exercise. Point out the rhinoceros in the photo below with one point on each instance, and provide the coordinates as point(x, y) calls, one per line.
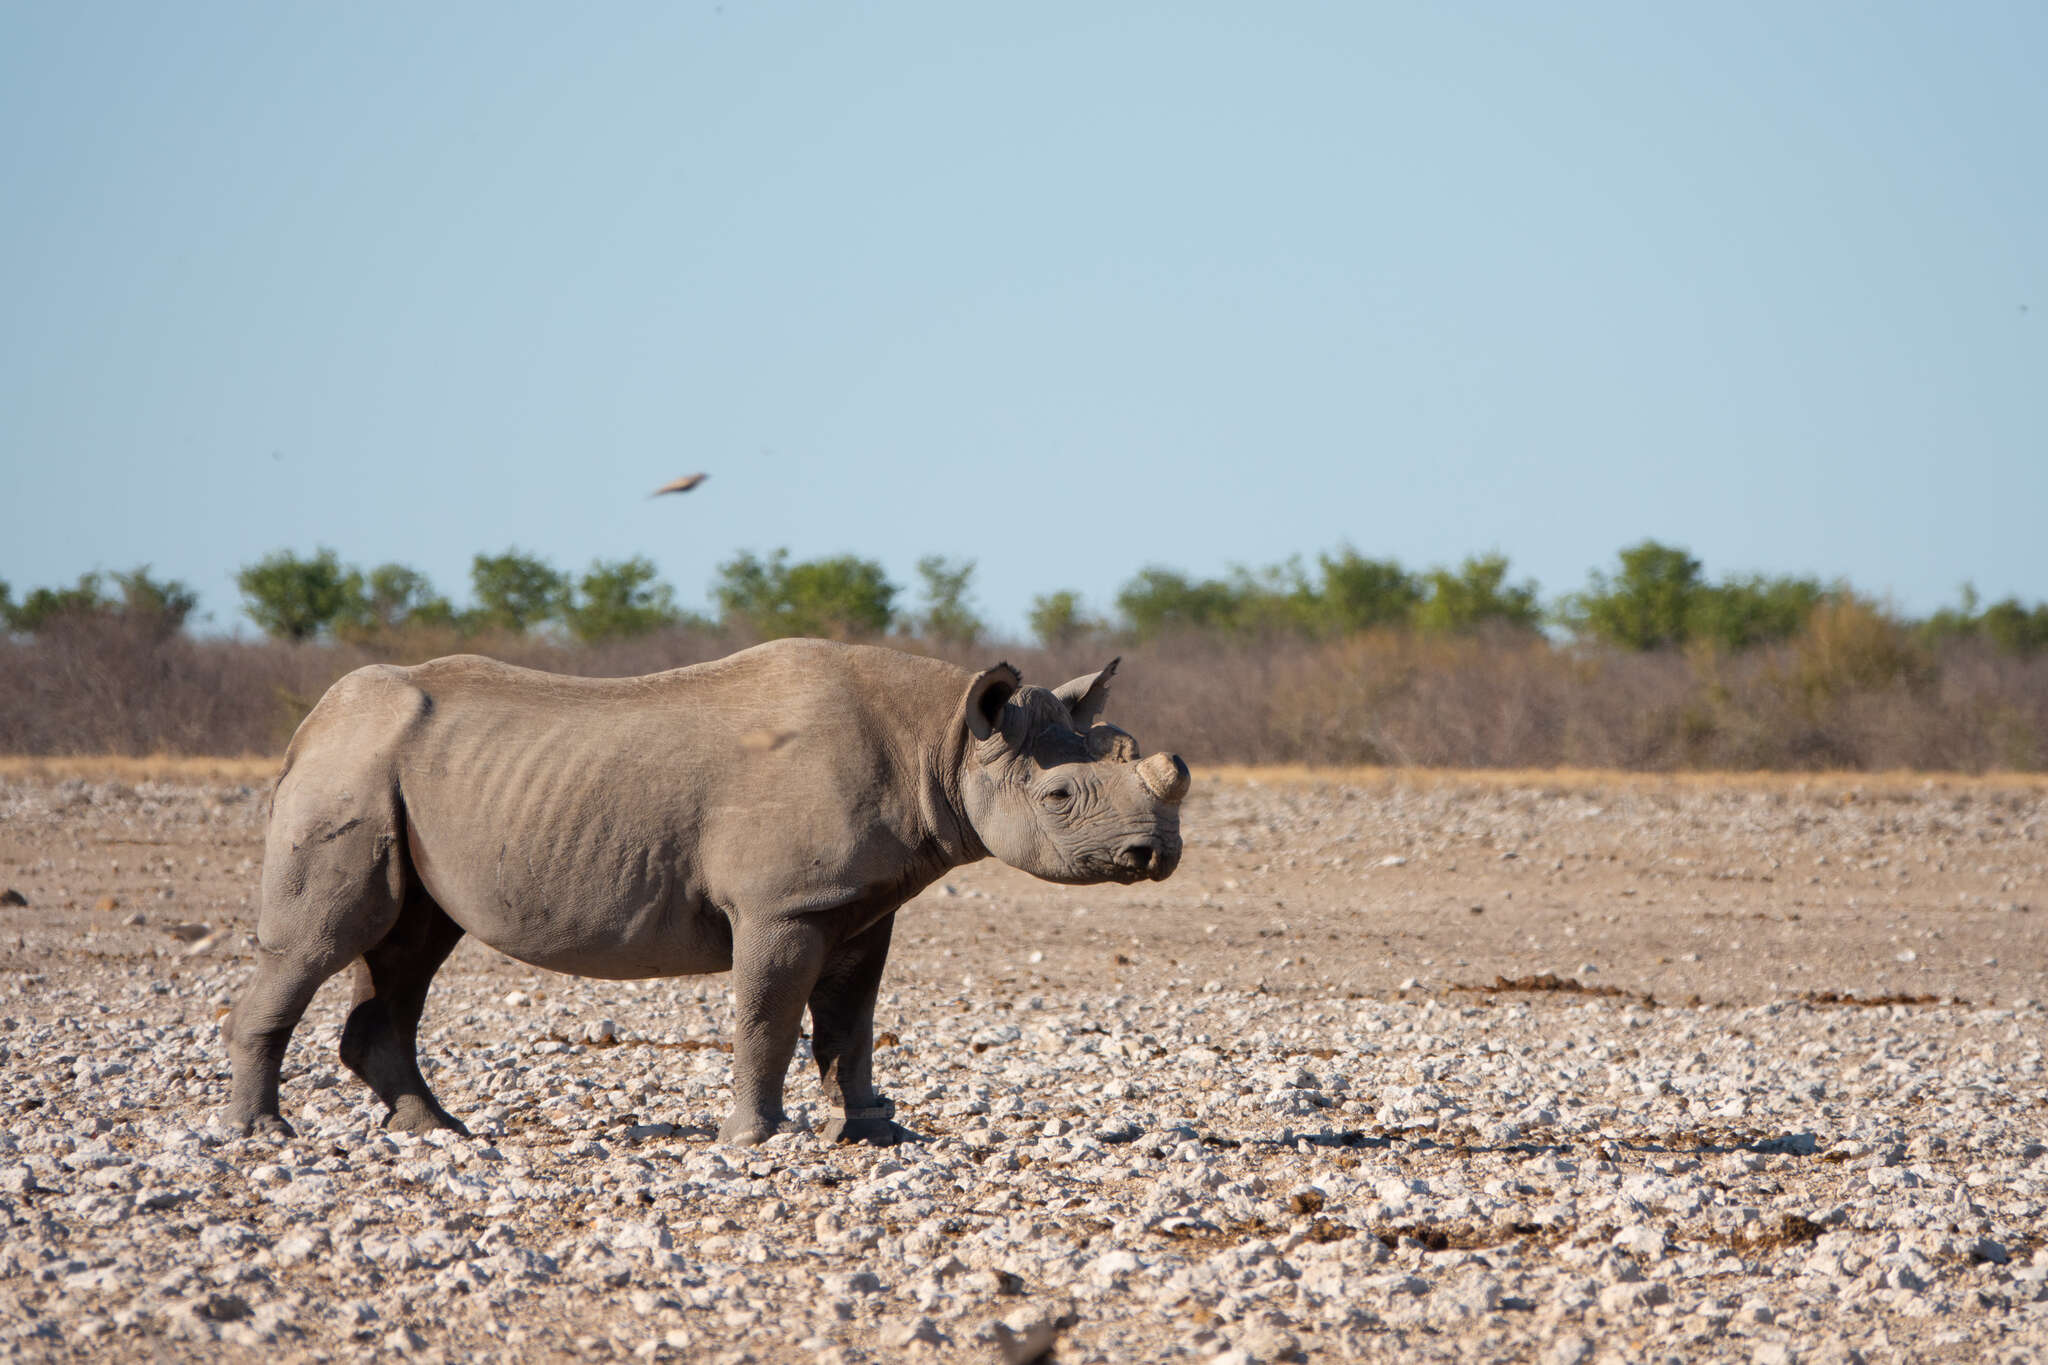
point(765, 813)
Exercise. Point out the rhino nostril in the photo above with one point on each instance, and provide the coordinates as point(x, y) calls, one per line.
point(1139, 856)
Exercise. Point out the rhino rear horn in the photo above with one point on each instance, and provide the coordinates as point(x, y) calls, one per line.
point(1085, 696)
point(983, 705)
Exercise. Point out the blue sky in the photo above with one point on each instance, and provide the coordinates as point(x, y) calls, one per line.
point(1065, 289)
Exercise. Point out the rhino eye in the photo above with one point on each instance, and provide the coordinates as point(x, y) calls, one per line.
point(1058, 796)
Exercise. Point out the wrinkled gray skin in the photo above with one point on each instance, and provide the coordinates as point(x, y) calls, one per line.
point(765, 814)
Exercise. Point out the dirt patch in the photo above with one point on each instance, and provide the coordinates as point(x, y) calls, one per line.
point(662, 1045)
point(1551, 984)
point(1786, 1232)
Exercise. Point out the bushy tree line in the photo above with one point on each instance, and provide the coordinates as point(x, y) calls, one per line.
point(1346, 594)
point(1657, 597)
point(135, 598)
point(2010, 626)
point(295, 597)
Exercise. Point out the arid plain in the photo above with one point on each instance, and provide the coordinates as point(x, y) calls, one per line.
point(1402, 1066)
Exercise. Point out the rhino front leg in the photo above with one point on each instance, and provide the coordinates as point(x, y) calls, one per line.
point(843, 1040)
point(773, 972)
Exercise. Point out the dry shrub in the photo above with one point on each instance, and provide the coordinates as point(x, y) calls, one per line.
point(1850, 647)
point(1853, 692)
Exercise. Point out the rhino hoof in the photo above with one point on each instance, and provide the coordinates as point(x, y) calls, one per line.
point(875, 1132)
point(267, 1125)
point(414, 1115)
point(746, 1132)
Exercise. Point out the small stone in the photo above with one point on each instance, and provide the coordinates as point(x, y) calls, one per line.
point(302, 1246)
point(404, 1341)
point(11, 897)
point(1642, 1239)
point(912, 1332)
point(1637, 1294)
point(1021, 1341)
point(1568, 1350)
point(1472, 1297)
point(992, 1282)
point(105, 903)
point(1266, 1341)
point(1112, 1266)
point(1984, 1250)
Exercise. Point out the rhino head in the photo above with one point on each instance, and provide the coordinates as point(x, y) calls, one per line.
point(1053, 791)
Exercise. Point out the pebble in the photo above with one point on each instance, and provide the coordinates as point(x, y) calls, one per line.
point(1200, 1171)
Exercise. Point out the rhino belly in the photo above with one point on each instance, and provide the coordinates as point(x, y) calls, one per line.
point(620, 908)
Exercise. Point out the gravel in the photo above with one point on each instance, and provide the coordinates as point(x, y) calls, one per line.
point(1191, 1152)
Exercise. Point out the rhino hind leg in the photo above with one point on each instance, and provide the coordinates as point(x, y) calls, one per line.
point(380, 1042)
point(327, 895)
point(335, 879)
point(257, 1033)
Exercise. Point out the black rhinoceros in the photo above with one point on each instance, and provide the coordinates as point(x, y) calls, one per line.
point(765, 813)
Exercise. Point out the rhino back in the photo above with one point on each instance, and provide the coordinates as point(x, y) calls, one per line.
point(614, 826)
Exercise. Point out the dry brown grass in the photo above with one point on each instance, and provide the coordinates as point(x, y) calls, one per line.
point(1854, 785)
point(261, 768)
point(254, 769)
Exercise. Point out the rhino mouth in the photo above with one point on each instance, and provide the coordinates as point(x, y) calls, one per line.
point(1147, 860)
point(1122, 868)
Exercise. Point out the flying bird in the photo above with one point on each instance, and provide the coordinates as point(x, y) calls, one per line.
point(682, 485)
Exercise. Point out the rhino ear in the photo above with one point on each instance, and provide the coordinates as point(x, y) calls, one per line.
point(1085, 696)
point(983, 705)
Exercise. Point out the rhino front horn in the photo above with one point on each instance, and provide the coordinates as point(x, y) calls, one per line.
point(1165, 776)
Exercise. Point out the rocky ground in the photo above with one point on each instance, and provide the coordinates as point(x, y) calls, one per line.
point(1567, 1069)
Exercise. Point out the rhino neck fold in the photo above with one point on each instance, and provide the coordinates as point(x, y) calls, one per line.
point(944, 814)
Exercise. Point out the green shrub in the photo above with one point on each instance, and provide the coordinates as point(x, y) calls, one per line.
point(1363, 594)
point(157, 608)
point(293, 598)
point(390, 597)
point(2009, 625)
point(620, 600)
point(1056, 619)
point(1645, 606)
point(1739, 613)
point(842, 597)
point(515, 592)
point(946, 617)
point(1659, 600)
point(1161, 601)
point(1476, 595)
